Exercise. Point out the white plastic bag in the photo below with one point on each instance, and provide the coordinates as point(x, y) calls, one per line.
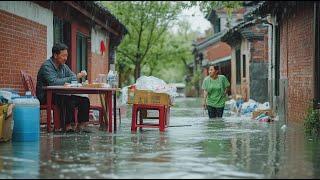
point(156, 85)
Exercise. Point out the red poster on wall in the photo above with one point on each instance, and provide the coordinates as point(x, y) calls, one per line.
point(102, 47)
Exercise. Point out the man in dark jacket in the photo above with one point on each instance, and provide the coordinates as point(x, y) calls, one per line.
point(54, 72)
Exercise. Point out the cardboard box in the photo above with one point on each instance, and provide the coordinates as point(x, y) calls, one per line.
point(94, 85)
point(159, 98)
point(267, 112)
point(6, 123)
point(141, 97)
point(147, 97)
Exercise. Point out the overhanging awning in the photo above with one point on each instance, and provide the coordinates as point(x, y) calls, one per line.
point(220, 60)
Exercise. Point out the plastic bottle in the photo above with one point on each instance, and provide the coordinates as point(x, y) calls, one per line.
point(116, 79)
point(26, 117)
point(110, 78)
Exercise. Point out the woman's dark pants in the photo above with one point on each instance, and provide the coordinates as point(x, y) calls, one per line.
point(215, 112)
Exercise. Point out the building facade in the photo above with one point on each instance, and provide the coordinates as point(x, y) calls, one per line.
point(249, 60)
point(295, 64)
point(28, 30)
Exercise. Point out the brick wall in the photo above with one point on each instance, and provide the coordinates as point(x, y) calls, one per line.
point(98, 65)
point(23, 46)
point(218, 50)
point(256, 51)
point(259, 48)
point(296, 61)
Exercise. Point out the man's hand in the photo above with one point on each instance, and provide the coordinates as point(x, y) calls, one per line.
point(81, 74)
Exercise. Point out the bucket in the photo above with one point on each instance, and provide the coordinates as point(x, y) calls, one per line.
point(26, 117)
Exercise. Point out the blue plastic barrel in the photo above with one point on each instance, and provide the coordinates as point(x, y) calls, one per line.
point(26, 117)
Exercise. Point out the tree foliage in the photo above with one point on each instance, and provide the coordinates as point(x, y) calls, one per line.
point(147, 23)
point(149, 47)
point(207, 6)
point(174, 52)
point(312, 121)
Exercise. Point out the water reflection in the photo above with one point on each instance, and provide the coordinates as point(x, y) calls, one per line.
point(150, 147)
point(19, 159)
point(192, 147)
point(294, 156)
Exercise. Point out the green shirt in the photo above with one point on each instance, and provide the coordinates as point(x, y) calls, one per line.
point(215, 88)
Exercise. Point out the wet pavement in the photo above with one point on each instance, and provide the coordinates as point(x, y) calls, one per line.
point(192, 147)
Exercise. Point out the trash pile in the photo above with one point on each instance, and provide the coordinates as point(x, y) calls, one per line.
point(152, 84)
point(6, 120)
point(156, 85)
point(6, 95)
point(255, 110)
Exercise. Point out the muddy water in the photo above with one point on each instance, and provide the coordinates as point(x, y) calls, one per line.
point(192, 147)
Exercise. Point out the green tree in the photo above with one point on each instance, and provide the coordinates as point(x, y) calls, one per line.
point(147, 22)
point(149, 47)
point(207, 6)
point(169, 60)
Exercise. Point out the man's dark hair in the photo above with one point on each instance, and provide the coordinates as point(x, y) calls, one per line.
point(58, 47)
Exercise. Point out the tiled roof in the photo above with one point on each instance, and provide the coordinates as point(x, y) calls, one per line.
point(105, 10)
point(96, 6)
point(209, 41)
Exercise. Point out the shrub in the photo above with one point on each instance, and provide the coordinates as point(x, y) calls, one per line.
point(312, 122)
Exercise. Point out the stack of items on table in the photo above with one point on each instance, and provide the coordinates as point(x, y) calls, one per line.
point(257, 111)
point(149, 90)
point(149, 94)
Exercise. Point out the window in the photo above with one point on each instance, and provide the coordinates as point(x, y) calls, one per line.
point(57, 30)
point(62, 33)
point(244, 65)
point(277, 61)
point(82, 59)
point(217, 25)
point(238, 66)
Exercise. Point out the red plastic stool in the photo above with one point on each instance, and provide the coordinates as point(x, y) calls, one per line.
point(163, 116)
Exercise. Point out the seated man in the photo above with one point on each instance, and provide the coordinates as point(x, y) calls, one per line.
point(54, 72)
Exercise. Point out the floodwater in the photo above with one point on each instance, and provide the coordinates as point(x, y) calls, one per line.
point(192, 147)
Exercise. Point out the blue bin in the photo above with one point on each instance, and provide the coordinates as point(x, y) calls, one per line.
point(26, 117)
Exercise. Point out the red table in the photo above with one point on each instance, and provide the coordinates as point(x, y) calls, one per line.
point(108, 92)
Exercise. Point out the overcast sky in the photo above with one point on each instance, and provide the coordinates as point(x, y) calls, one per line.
point(196, 19)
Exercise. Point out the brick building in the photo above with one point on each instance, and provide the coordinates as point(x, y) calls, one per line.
point(28, 30)
point(211, 50)
point(295, 64)
point(249, 59)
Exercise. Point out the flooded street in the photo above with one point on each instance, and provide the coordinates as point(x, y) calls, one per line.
point(192, 147)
